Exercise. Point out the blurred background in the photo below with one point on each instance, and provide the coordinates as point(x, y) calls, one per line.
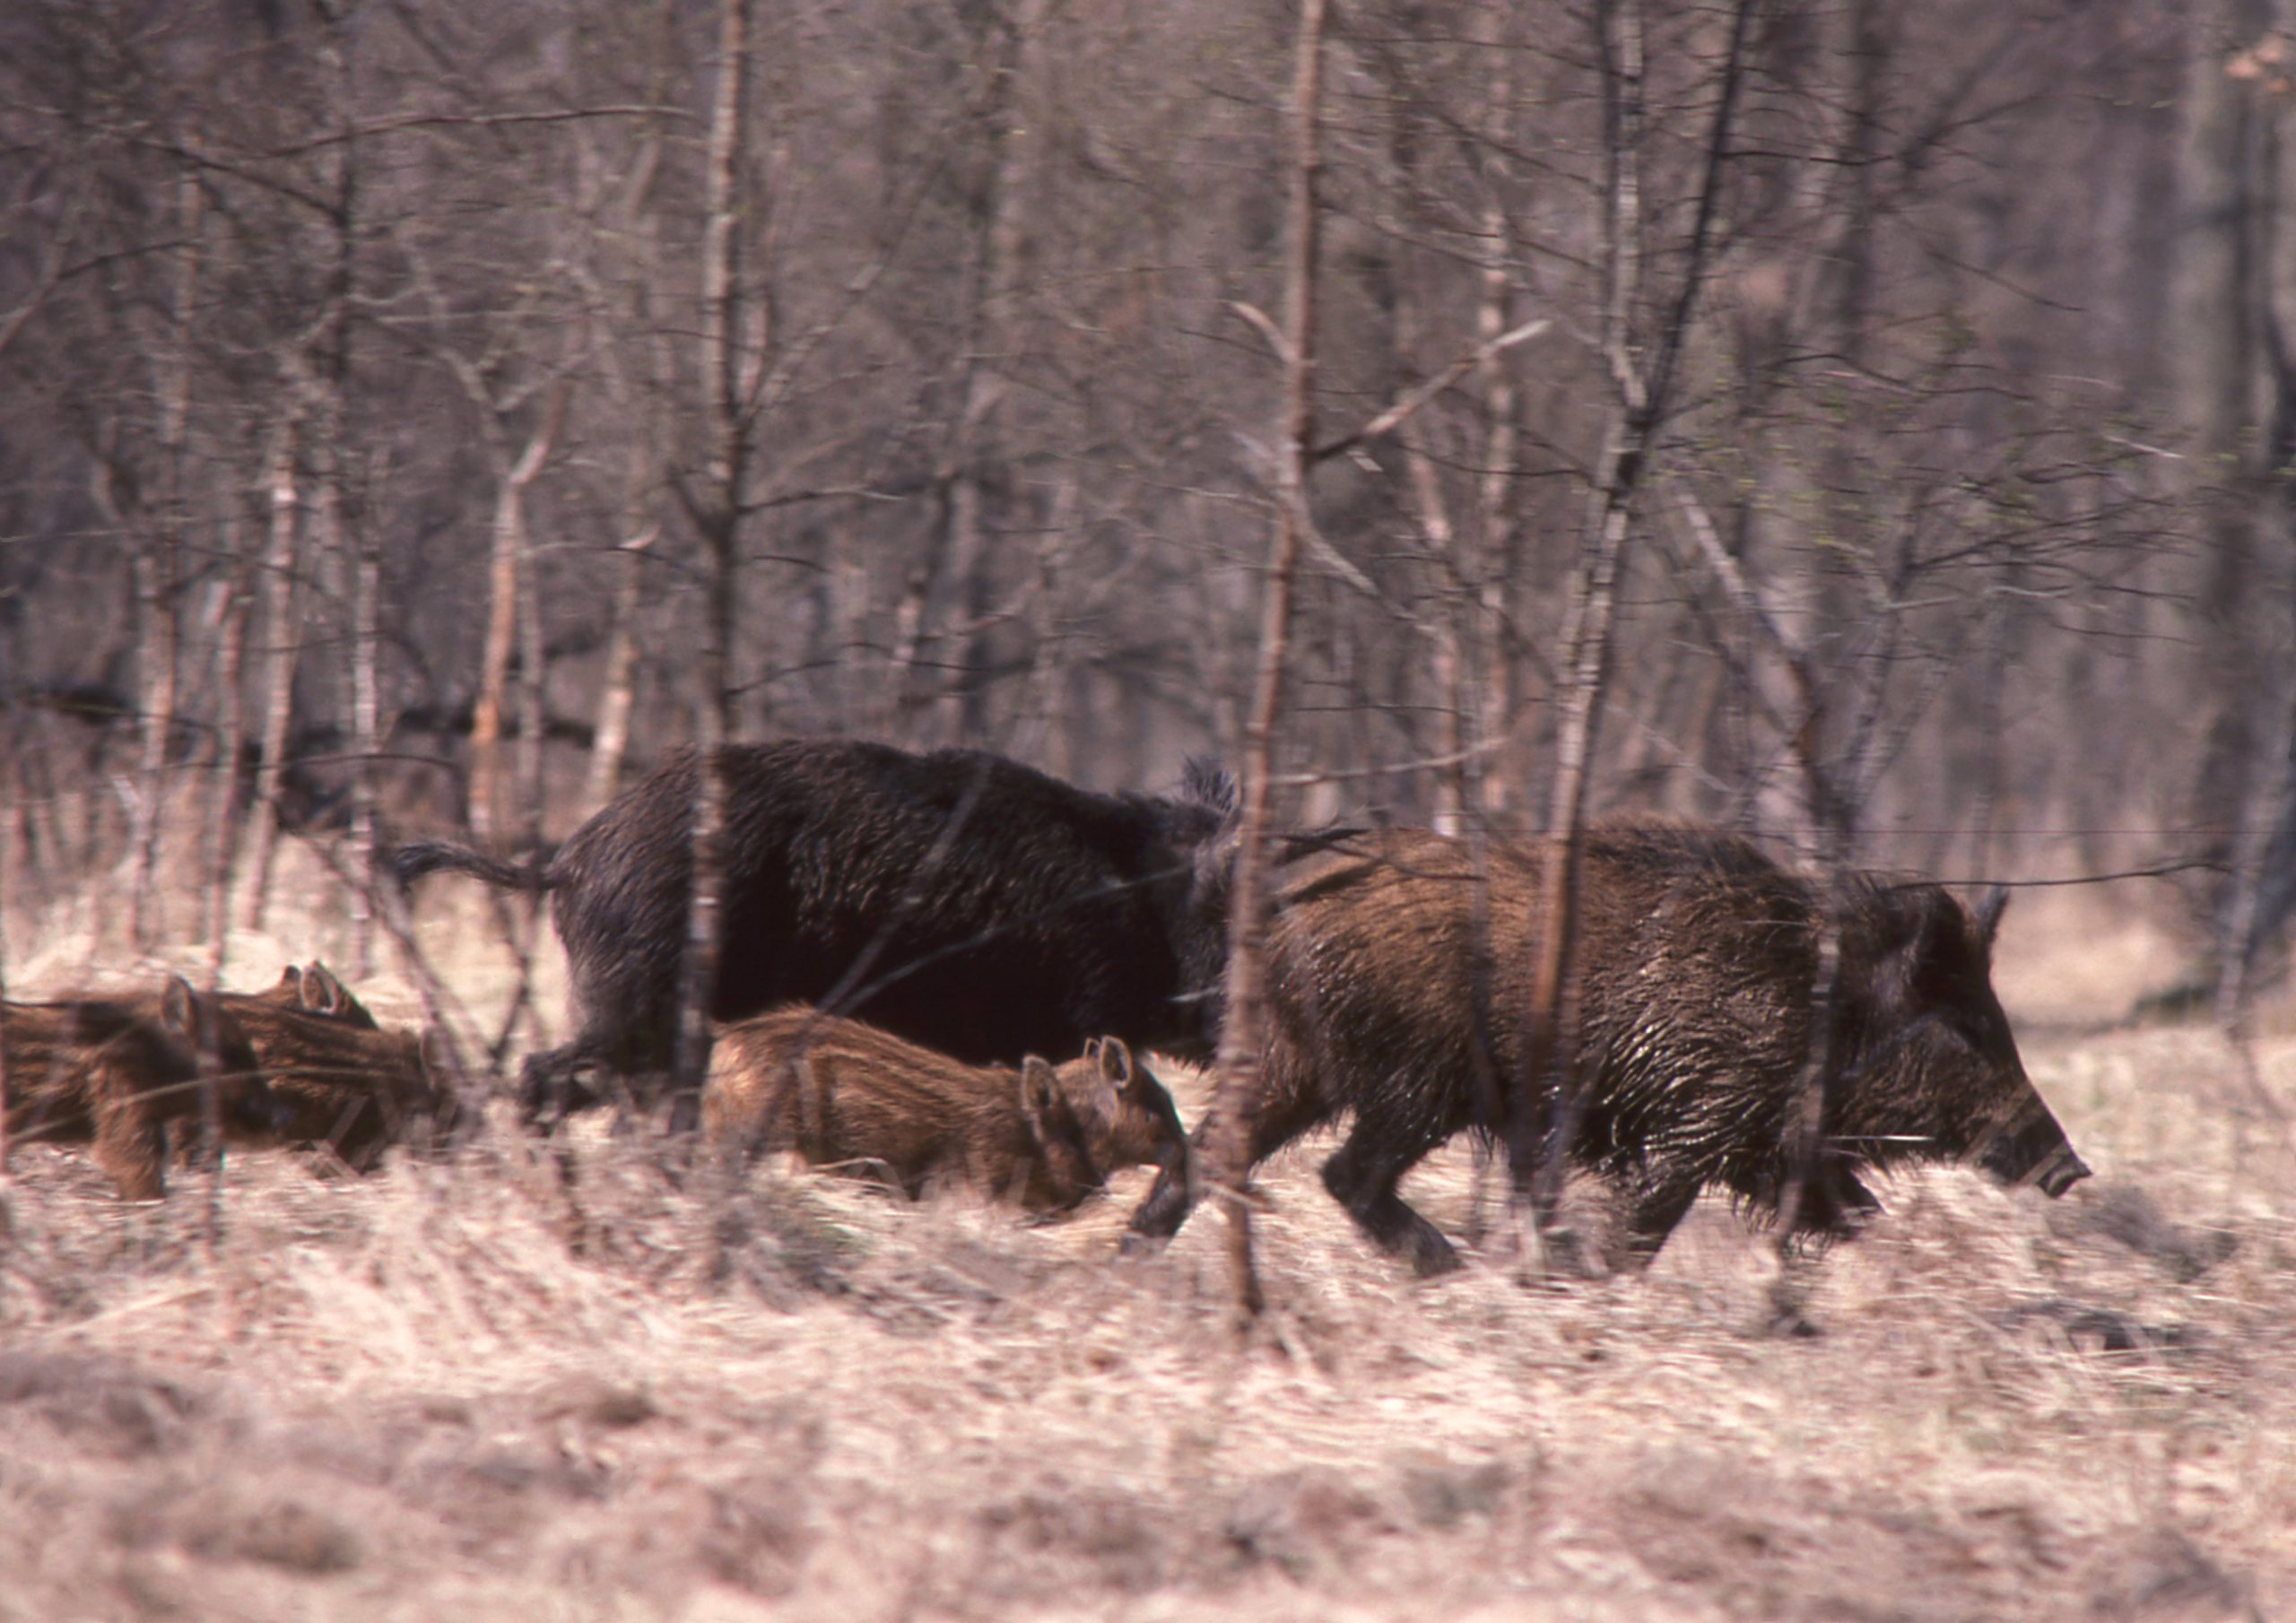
point(417, 416)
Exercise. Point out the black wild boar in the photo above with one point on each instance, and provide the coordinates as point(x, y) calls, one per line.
point(959, 899)
point(113, 1073)
point(1697, 958)
point(850, 1098)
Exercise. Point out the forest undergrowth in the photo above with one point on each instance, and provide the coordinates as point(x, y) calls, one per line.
point(491, 1383)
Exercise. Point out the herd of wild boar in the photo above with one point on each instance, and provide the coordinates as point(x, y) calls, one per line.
point(129, 1073)
point(944, 967)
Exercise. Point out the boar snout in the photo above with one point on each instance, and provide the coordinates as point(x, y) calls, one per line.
point(2035, 1153)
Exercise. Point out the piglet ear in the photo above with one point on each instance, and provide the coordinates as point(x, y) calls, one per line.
point(1990, 909)
point(179, 1007)
point(1115, 1062)
point(322, 992)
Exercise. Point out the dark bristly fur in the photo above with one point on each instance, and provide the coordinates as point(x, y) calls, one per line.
point(1696, 959)
point(112, 1072)
point(850, 1098)
point(959, 899)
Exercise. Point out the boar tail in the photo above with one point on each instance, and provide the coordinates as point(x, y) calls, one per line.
point(409, 862)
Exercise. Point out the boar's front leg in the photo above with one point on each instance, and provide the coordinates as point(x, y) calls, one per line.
point(1276, 1118)
point(1362, 1176)
point(1657, 1204)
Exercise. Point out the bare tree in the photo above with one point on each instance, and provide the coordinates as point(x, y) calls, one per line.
point(1643, 373)
point(730, 369)
point(1244, 1019)
point(275, 684)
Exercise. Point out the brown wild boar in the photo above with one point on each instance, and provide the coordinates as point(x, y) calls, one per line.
point(959, 899)
point(1128, 1116)
point(336, 1078)
point(850, 1098)
point(113, 1073)
point(1696, 958)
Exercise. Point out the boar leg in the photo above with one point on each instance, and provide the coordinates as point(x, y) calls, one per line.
point(551, 1086)
point(1834, 1204)
point(1659, 1203)
point(1362, 1177)
point(1274, 1123)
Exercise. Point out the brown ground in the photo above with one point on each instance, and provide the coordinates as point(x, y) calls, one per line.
point(449, 1392)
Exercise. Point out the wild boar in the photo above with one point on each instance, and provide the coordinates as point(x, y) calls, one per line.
point(114, 1072)
point(958, 898)
point(851, 1097)
point(356, 1089)
point(1127, 1114)
point(1697, 958)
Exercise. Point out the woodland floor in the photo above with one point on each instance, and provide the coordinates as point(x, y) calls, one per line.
point(449, 1391)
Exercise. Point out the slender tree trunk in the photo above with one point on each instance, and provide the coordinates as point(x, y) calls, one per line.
point(1241, 1038)
point(618, 686)
point(511, 585)
point(1539, 1140)
point(362, 568)
point(159, 639)
point(494, 663)
point(1489, 776)
point(534, 709)
point(725, 374)
point(281, 631)
point(230, 739)
point(2221, 246)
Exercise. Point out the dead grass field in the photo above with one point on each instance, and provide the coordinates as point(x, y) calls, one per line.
point(449, 1392)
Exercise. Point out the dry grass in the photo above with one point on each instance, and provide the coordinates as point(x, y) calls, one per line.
point(458, 1391)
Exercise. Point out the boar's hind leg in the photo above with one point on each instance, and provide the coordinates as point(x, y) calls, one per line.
point(1362, 1176)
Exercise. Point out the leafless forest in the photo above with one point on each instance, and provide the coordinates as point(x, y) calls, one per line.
point(1864, 424)
point(419, 415)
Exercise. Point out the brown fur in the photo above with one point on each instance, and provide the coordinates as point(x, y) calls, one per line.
point(113, 1073)
point(334, 1081)
point(1697, 957)
point(1127, 1115)
point(850, 1098)
point(336, 1077)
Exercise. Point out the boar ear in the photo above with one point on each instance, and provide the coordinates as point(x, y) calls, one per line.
point(1116, 1062)
point(1924, 933)
point(1207, 782)
point(179, 1007)
point(1990, 909)
point(291, 979)
point(1039, 1087)
point(322, 992)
